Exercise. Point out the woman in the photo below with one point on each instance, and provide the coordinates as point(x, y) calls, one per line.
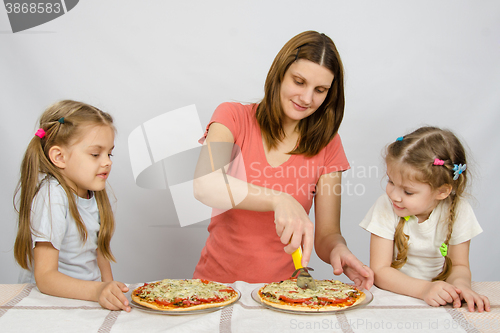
point(291, 154)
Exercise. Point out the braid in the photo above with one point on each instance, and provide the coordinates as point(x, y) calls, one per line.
point(448, 264)
point(401, 241)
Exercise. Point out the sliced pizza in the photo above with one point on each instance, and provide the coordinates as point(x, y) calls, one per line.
point(330, 295)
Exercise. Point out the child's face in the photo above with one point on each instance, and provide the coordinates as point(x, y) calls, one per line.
point(87, 162)
point(410, 197)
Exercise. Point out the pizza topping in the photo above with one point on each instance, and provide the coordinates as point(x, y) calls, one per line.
point(294, 300)
point(184, 293)
point(328, 292)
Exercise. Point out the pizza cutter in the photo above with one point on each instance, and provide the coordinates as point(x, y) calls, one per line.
point(304, 279)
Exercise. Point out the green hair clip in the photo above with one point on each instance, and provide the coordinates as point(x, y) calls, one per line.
point(443, 249)
point(61, 120)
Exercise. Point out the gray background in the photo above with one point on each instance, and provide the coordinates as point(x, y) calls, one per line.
point(407, 63)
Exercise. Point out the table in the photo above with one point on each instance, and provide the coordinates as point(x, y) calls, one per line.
point(24, 309)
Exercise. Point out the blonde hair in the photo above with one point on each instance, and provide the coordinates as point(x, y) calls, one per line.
point(63, 123)
point(317, 130)
point(416, 153)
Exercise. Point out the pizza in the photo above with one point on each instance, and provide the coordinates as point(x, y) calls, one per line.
point(184, 295)
point(330, 295)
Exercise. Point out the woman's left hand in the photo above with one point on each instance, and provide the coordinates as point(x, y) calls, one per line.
point(343, 261)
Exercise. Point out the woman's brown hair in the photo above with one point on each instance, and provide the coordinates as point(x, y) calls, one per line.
point(317, 130)
point(417, 152)
point(63, 122)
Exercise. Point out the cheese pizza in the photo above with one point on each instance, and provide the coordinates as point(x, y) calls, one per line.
point(184, 295)
point(330, 295)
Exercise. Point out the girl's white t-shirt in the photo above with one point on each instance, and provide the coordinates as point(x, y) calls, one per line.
point(424, 257)
point(52, 222)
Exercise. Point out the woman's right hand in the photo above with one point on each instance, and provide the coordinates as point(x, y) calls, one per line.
point(343, 261)
point(293, 226)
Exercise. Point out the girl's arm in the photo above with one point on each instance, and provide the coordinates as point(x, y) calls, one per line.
point(293, 225)
point(460, 277)
point(329, 243)
point(104, 267)
point(386, 277)
point(52, 282)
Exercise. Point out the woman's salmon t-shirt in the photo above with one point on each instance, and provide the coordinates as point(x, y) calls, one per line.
point(243, 245)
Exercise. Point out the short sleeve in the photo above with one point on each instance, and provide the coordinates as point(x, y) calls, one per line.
point(380, 219)
point(335, 159)
point(227, 114)
point(466, 225)
point(49, 213)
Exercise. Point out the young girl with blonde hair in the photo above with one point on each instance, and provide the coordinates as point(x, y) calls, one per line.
point(421, 228)
point(65, 217)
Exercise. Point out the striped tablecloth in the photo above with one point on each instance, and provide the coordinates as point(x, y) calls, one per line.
point(24, 309)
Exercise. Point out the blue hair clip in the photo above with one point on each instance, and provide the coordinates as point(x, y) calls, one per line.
point(458, 168)
point(399, 139)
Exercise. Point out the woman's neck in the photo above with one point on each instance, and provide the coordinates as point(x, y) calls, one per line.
point(290, 128)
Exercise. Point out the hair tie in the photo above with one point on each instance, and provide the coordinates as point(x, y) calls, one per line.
point(40, 133)
point(61, 120)
point(458, 168)
point(437, 161)
point(399, 139)
point(443, 249)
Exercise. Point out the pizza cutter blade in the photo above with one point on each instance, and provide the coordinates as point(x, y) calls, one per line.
point(304, 279)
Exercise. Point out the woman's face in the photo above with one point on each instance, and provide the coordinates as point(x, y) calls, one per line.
point(303, 90)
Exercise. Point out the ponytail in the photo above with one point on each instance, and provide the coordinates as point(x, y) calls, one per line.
point(107, 226)
point(29, 186)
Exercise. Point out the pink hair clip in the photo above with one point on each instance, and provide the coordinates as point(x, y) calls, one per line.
point(437, 161)
point(40, 133)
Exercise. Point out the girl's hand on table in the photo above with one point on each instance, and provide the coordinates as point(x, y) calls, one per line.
point(440, 293)
point(110, 296)
point(293, 226)
point(473, 299)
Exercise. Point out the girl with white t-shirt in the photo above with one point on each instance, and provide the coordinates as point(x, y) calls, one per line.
point(65, 217)
point(421, 228)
